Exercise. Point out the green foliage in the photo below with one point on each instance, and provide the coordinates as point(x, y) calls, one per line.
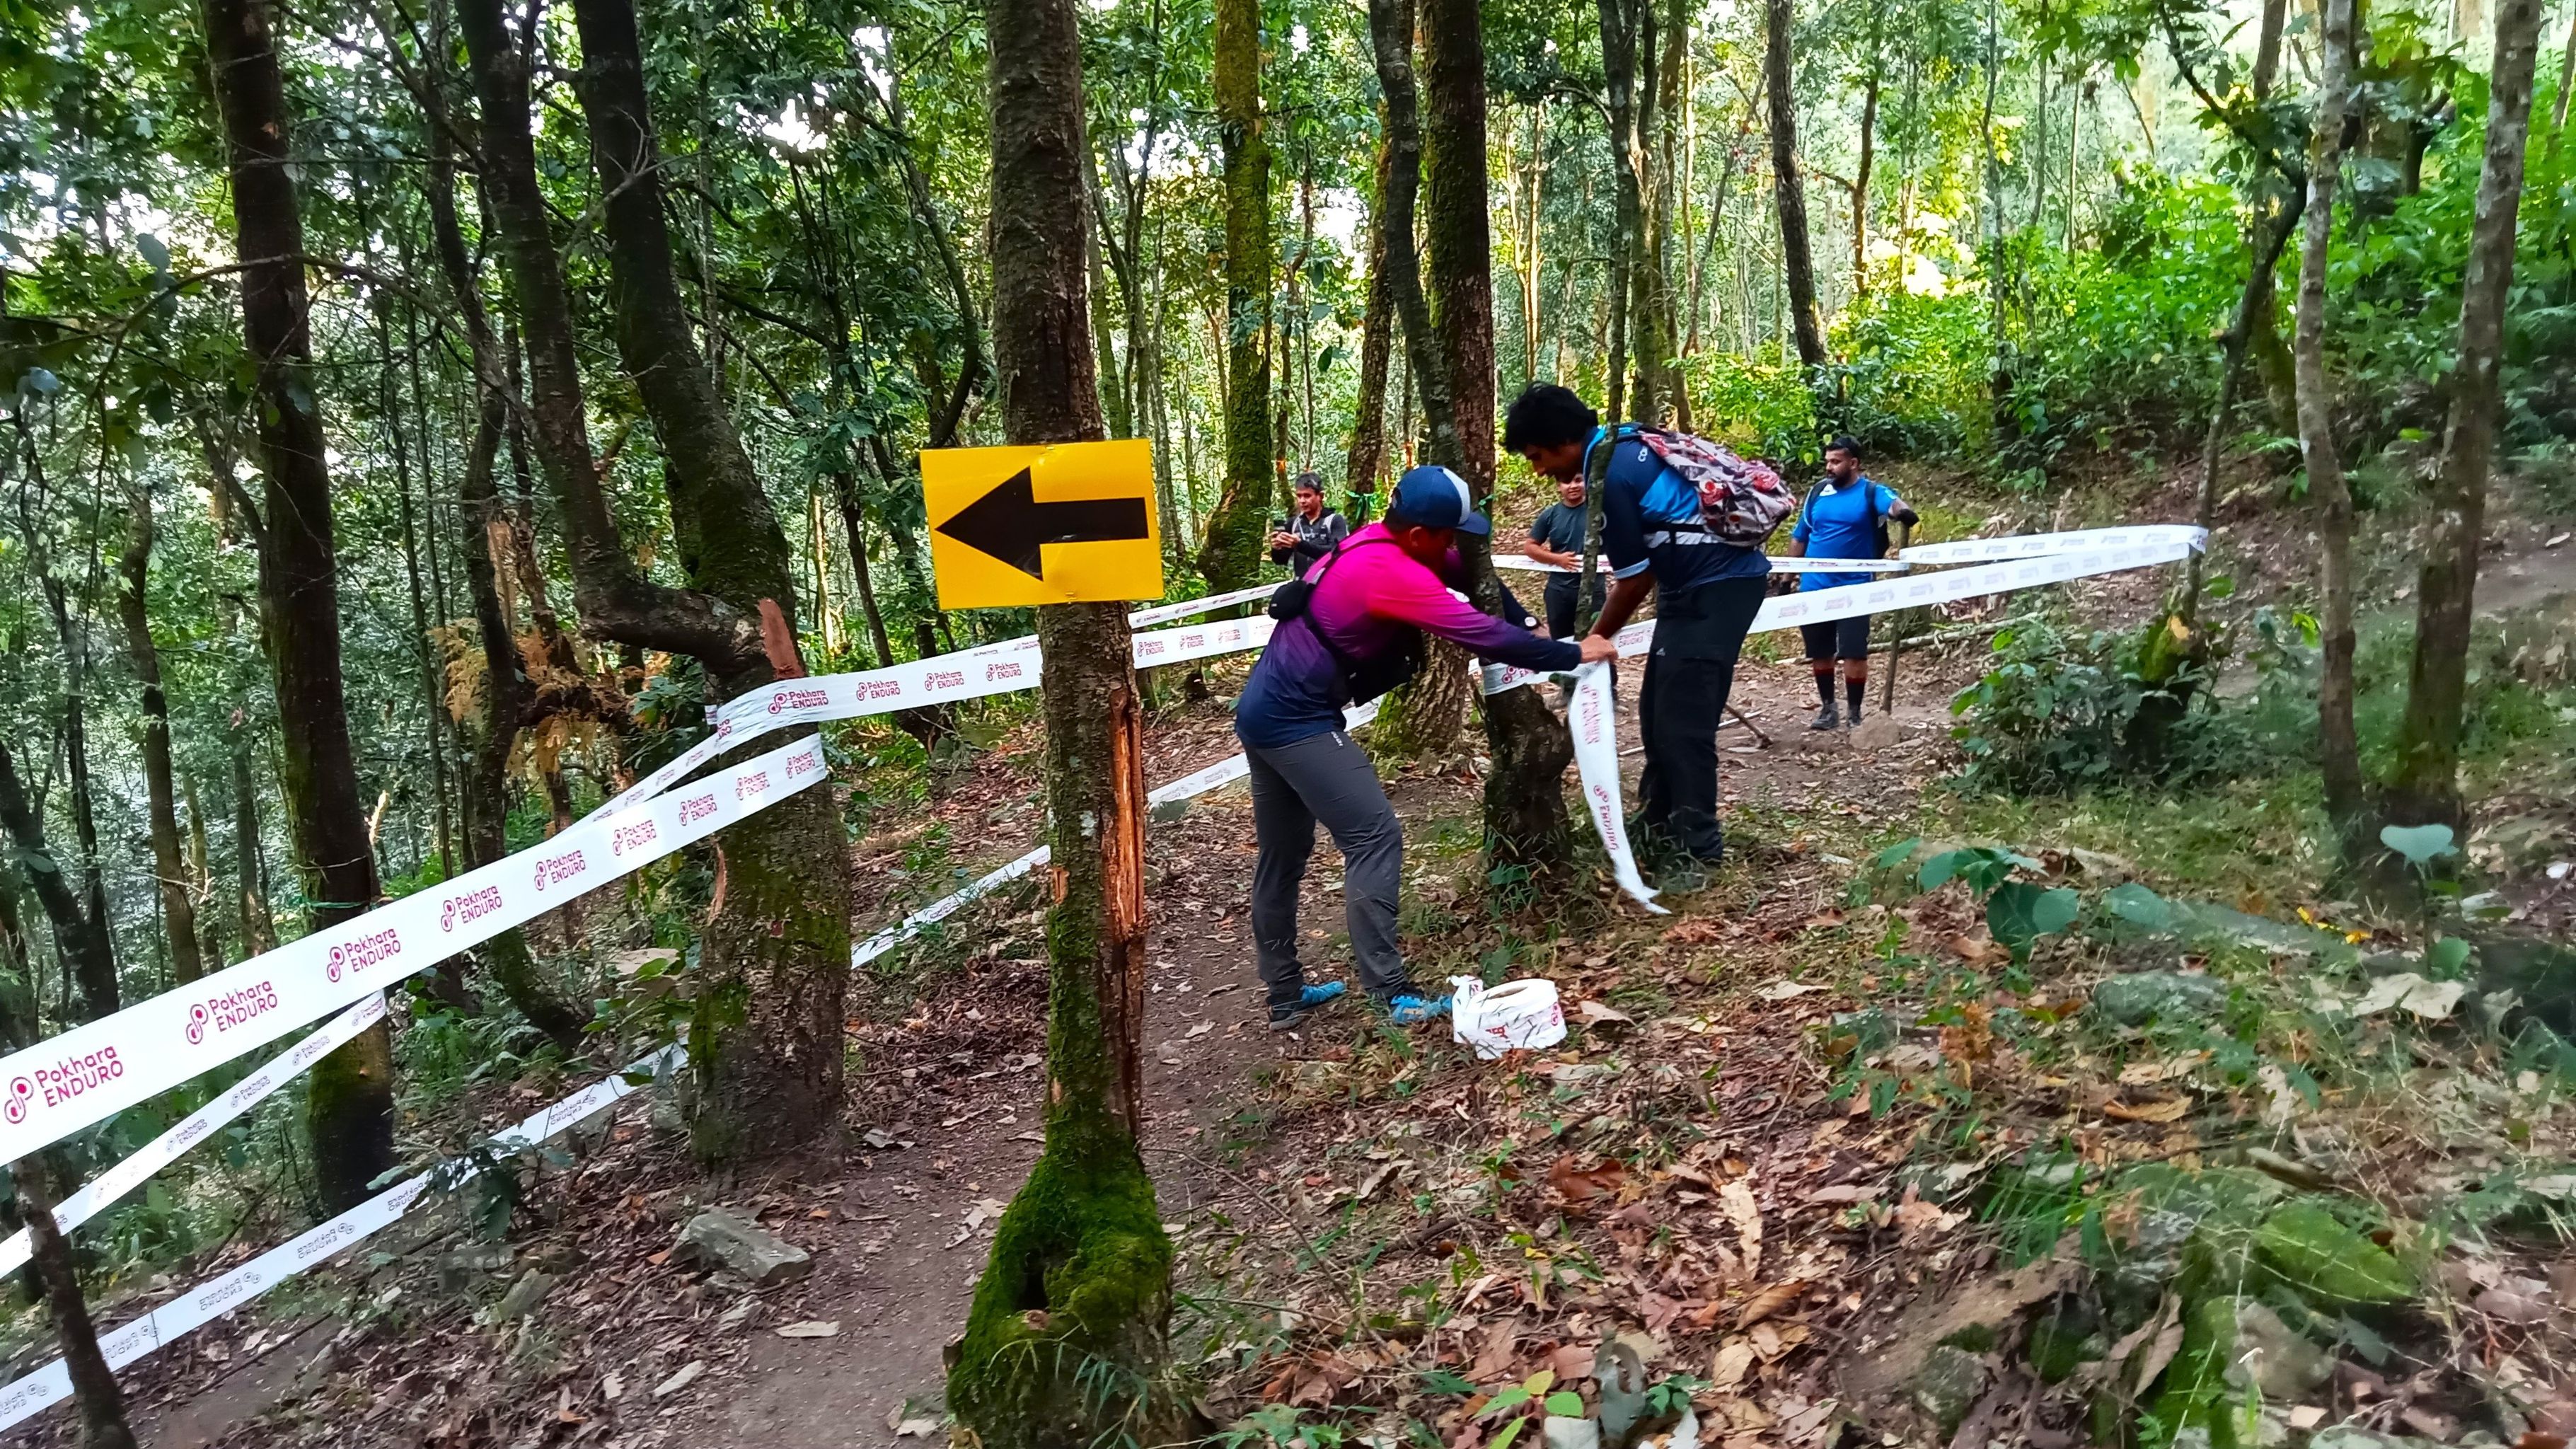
point(2056, 712)
point(1759, 408)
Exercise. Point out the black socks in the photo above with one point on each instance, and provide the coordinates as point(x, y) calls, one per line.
point(1825, 688)
point(1855, 690)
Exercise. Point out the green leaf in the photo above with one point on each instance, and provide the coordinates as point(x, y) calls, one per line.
point(1895, 855)
point(2138, 905)
point(1506, 1401)
point(2219, 586)
point(1938, 870)
point(2019, 913)
point(1510, 1432)
point(155, 255)
point(2420, 844)
point(2449, 958)
point(1442, 1381)
point(1565, 1405)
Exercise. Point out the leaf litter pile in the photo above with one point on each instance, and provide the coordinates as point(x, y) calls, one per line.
point(1981, 1148)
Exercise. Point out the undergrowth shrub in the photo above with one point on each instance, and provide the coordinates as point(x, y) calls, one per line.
point(2055, 714)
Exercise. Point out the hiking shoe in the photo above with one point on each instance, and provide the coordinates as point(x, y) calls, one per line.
point(1827, 718)
point(1293, 1014)
point(1407, 1009)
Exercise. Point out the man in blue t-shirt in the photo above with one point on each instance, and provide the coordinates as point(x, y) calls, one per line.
point(1706, 594)
point(1845, 516)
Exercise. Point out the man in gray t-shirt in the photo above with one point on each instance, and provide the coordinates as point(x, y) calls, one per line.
point(1312, 531)
point(1556, 537)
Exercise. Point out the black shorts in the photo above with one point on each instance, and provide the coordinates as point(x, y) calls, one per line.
point(1837, 638)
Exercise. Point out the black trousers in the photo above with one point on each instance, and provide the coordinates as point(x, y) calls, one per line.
point(1560, 597)
point(1698, 636)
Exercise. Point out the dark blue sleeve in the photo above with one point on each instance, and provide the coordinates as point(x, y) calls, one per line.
point(1623, 526)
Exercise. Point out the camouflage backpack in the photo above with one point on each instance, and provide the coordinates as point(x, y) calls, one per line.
point(1741, 501)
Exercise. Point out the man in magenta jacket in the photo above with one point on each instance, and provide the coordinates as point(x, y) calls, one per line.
point(1372, 597)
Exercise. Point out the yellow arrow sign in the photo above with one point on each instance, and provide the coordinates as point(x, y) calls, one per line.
point(1056, 524)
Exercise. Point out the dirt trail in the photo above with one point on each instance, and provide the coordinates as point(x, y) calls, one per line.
point(896, 1265)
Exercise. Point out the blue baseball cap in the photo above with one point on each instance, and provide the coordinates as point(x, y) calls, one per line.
point(1436, 498)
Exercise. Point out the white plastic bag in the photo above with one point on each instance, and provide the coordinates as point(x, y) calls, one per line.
point(1498, 1019)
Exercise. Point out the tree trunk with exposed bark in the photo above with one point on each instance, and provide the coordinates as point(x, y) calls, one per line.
point(349, 1102)
point(1797, 258)
point(1069, 1335)
point(2338, 739)
point(1230, 553)
point(161, 792)
point(2424, 785)
point(1527, 834)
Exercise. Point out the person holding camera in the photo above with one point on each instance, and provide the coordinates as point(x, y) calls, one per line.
point(1311, 532)
point(1350, 630)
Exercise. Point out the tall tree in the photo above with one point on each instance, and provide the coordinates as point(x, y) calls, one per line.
point(161, 795)
point(765, 1032)
point(1526, 827)
point(349, 1107)
point(2424, 785)
point(99, 988)
point(1624, 28)
point(1070, 1327)
point(1789, 184)
point(80, 934)
point(487, 540)
point(1427, 718)
point(2338, 740)
point(1230, 553)
point(1377, 333)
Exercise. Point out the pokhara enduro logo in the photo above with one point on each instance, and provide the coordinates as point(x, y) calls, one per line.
point(229, 1010)
point(469, 907)
point(60, 1082)
point(362, 953)
point(787, 699)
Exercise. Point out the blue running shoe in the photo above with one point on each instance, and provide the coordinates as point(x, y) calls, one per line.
point(1407, 1009)
point(1288, 1017)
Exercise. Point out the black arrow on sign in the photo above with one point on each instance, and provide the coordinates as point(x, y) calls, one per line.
point(1012, 525)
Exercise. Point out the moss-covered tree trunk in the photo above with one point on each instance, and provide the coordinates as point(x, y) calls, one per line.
point(1230, 552)
point(1066, 1344)
point(1427, 719)
point(1526, 827)
point(349, 1108)
point(161, 794)
point(1789, 185)
point(2424, 785)
point(487, 538)
point(765, 1039)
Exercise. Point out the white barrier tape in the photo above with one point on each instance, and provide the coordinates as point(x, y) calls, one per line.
point(2122, 549)
point(2031, 545)
point(970, 674)
point(1189, 608)
point(94, 1071)
point(1780, 564)
point(1596, 761)
point(206, 1302)
point(1198, 782)
point(104, 1190)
